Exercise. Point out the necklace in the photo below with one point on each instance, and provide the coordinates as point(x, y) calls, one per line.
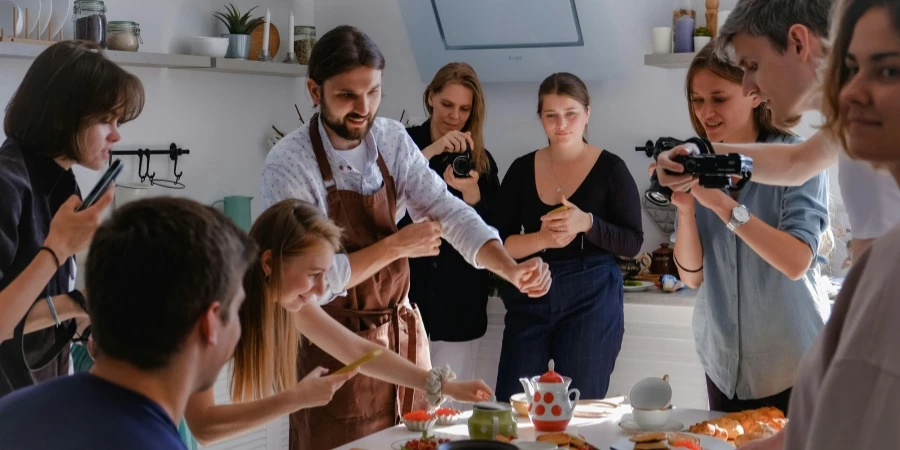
point(553, 170)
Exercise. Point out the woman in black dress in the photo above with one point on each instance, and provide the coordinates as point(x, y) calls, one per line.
point(579, 323)
point(450, 293)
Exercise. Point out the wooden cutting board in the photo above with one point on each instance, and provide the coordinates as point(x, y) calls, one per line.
point(256, 39)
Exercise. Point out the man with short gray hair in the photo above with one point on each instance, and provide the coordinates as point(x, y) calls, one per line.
point(781, 45)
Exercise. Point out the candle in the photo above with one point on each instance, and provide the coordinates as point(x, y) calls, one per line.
point(684, 34)
point(291, 34)
point(265, 45)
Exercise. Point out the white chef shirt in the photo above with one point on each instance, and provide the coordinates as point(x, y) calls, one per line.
point(291, 171)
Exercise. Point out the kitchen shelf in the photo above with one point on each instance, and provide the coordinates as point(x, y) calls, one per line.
point(21, 50)
point(258, 68)
point(669, 60)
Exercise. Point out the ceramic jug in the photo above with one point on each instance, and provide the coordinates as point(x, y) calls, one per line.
point(550, 405)
point(490, 419)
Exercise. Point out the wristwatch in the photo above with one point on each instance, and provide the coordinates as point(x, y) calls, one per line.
point(739, 216)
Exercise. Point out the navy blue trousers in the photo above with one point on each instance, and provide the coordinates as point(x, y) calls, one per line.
point(579, 324)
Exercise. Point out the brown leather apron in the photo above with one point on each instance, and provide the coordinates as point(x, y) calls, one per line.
point(375, 310)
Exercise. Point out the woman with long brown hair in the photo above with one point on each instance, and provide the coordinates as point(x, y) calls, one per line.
point(454, 313)
point(579, 323)
point(758, 305)
point(297, 245)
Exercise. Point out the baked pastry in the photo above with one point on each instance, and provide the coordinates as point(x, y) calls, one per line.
point(709, 429)
point(648, 437)
point(732, 427)
point(659, 445)
point(559, 439)
point(742, 418)
point(772, 412)
point(779, 424)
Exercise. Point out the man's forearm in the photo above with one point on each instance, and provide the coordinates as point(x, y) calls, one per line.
point(367, 262)
point(787, 164)
point(494, 257)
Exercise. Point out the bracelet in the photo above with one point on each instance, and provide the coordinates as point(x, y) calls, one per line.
point(682, 268)
point(434, 385)
point(53, 254)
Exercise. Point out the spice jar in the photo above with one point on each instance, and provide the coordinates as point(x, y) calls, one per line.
point(662, 263)
point(125, 36)
point(90, 21)
point(304, 40)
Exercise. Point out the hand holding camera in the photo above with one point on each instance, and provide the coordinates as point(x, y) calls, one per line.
point(452, 142)
point(682, 166)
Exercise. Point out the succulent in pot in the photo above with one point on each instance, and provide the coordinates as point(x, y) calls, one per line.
point(239, 27)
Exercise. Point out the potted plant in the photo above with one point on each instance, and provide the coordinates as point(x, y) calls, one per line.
point(239, 29)
point(702, 36)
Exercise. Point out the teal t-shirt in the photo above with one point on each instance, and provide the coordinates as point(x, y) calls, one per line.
point(82, 363)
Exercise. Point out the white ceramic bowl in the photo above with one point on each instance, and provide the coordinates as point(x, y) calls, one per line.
point(215, 47)
point(419, 425)
point(652, 419)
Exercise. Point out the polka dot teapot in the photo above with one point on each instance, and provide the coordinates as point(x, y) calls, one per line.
point(550, 403)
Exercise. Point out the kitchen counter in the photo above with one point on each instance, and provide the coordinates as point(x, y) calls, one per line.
point(657, 297)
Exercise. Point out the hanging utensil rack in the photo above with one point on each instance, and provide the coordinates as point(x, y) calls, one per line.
point(174, 152)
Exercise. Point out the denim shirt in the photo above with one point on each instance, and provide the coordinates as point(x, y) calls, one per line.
point(752, 324)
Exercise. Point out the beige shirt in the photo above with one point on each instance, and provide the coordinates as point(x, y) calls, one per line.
point(847, 392)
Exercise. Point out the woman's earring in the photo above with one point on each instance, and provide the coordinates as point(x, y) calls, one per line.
point(268, 278)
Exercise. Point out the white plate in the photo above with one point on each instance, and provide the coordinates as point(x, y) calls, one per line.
point(34, 13)
point(708, 443)
point(631, 426)
point(6, 18)
point(44, 19)
point(643, 287)
point(61, 11)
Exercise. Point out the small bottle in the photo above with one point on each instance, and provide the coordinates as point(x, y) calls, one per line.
point(90, 21)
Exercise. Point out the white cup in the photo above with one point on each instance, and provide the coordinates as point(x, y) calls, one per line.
point(130, 192)
point(662, 40)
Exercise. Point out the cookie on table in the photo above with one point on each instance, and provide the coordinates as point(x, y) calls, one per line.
point(648, 437)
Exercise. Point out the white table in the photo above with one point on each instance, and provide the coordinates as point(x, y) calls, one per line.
point(599, 432)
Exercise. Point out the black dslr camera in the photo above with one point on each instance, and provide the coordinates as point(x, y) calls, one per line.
point(712, 171)
point(461, 163)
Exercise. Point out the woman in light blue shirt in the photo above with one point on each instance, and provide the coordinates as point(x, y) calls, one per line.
point(752, 254)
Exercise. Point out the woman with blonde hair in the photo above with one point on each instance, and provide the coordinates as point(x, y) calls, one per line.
point(758, 306)
point(297, 245)
point(454, 312)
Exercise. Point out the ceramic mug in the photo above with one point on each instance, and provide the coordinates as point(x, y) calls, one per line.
point(490, 419)
point(237, 207)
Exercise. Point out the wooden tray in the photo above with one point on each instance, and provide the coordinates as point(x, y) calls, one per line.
point(256, 39)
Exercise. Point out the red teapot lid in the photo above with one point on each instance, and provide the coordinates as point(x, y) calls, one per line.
point(551, 376)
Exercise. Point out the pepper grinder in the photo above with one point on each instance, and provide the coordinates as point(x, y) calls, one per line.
point(712, 17)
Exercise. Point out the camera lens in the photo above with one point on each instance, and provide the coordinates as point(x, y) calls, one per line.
point(690, 165)
point(461, 166)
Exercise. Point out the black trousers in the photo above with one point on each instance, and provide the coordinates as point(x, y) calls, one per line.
point(720, 402)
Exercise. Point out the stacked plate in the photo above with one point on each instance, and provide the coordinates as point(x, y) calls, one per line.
point(41, 14)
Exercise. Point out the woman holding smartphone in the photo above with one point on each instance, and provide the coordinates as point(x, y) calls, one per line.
point(46, 137)
point(298, 246)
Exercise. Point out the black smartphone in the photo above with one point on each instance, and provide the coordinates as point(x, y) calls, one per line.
point(100, 188)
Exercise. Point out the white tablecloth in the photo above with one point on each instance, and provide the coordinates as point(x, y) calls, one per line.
point(599, 432)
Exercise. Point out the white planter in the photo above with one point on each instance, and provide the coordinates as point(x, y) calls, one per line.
point(700, 42)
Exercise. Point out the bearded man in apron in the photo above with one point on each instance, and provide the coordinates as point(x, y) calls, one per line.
point(363, 173)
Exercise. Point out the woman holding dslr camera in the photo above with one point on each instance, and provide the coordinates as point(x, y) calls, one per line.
point(758, 307)
point(450, 293)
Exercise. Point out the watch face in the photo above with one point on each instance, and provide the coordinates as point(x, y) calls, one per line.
point(741, 214)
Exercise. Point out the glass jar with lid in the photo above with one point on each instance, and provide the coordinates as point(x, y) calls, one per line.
point(304, 40)
point(90, 21)
point(124, 35)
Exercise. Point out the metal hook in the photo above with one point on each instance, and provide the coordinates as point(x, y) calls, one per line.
point(141, 166)
point(147, 173)
point(176, 152)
